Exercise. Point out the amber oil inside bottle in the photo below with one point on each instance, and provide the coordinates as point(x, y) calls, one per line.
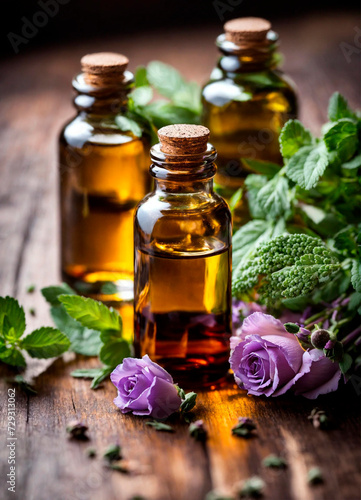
point(103, 175)
point(183, 269)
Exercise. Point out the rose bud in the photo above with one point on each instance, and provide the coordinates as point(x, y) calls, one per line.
point(319, 338)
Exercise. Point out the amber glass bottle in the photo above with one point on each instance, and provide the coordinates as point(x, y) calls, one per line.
point(182, 278)
point(246, 102)
point(103, 176)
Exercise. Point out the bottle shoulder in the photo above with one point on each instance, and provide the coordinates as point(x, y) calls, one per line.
point(159, 217)
point(224, 87)
point(82, 129)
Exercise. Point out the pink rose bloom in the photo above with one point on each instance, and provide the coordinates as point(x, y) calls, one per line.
point(267, 360)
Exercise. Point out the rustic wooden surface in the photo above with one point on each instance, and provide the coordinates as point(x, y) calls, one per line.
point(36, 100)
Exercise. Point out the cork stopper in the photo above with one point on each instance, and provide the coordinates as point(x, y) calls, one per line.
point(103, 68)
point(183, 139)
point(247, 30)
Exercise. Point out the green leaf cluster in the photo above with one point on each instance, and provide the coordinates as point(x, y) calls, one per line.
point(316, 193)
point(92, 328)
point(286, 266)
point(180, 101)
point(45, 342)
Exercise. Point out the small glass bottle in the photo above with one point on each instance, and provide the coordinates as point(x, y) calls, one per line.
point(182, 284)
point(103, 176)
point(246, 102)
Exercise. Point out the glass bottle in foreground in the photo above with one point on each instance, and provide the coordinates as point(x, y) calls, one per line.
point(246, 103)
point(182, 283)
point(103, 176)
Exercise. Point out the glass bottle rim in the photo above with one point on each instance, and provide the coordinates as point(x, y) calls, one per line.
point(228, 47)
point(176, 167)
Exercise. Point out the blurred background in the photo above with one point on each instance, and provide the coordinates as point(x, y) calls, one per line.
point(78, 20)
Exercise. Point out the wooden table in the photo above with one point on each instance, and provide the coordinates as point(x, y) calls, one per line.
point(36, 100)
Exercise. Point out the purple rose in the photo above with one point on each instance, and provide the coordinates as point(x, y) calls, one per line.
point(323, 376)
point(144, 388)
point(266, 359)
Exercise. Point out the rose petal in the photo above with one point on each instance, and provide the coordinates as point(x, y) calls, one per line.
point(163, 399)
point(153, 370)
point(263, 324)
point(322, 378)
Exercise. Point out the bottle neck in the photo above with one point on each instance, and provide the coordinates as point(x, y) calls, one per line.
point(250, 56)
point(110, 98)
point(183, 174)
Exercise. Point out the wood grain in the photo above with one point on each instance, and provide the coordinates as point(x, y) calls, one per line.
point(36, 101)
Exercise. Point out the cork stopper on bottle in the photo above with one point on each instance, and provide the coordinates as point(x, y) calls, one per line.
point(246, 30)
point(183, 139)
point(103, 68)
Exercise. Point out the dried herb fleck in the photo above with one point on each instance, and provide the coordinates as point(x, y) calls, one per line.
point(315, 476)
point(320, 419)
point(77, 430)
point(274, 462)
point(113, 452)
point(91, 452)
point(215, 495)
point(244, 428)
point(252, 487)
point(188, 402)
point(159, 426)
point(198, 431)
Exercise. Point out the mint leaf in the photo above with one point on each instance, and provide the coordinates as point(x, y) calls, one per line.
point(307, 165)
point(140, 77)
point(98, 379)
point(242, 96)
point(15, 324)
point(51, 293)
point(170, 83)
point(247, 238)
point(91, 313)
point(86, 372)
point(12, 357)
point(163, 114)
point(235, 199)
point(338, 108)
point(188, 97)
point(273, 198)
point(164, 78)
point(142, 95)
point(342, 138)
point(293, 137)
point(345, 363)
point(45, 342)
point(114, 350)
point(83, 340)
point(127, 125)
point(253, 184)
point(354, 163)
point(356, 275)
point(188, 402)
point(355, 301)
point(262, 167)
point(109, 288)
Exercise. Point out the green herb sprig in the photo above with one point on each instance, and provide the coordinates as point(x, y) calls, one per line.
point(45, 342)
point(180, 101)
point(92, 328)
